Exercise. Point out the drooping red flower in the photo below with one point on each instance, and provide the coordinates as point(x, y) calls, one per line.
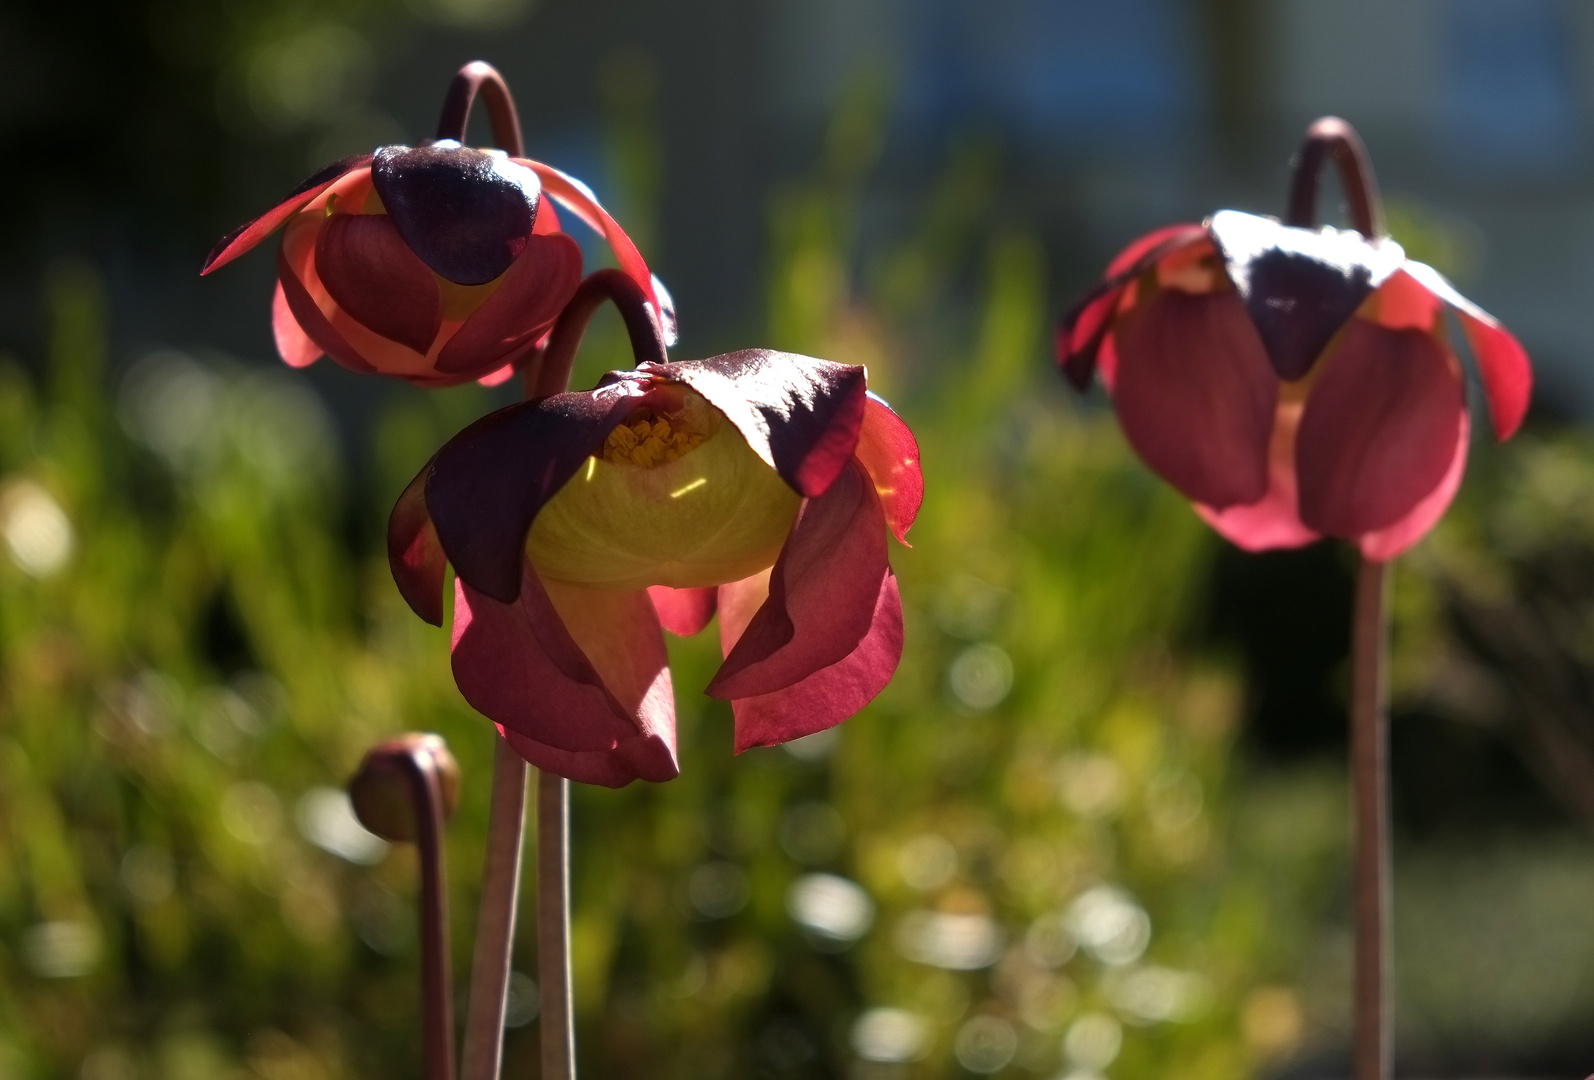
point(1294, 382)
point(759, 485)
point(437, 264)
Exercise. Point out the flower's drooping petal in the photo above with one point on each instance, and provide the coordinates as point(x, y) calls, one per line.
point(534, 290)
point(314, 324)
point(822, 593)
point(1274, 520)
point(641, 757)
point(1080, 333)
point(373, 276)
point(251, 233)
point(831, 694)
point(488, 482)
point(890, 453)
point(581, 674)
point(293, 344)
point(1502, 362)
point(414, 554)
point(1378, 433)
point(1384, 544)
point(683, 612)
point(467, 213)
point(799, 414)
point(584, 204)
point(1195, 394)
point(1300, 285)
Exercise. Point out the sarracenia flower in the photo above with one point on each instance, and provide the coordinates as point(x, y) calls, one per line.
point(1294, 382)
point(760, 485)
point(437, 264)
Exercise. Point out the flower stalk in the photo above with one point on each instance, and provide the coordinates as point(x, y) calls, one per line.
point(553, 927)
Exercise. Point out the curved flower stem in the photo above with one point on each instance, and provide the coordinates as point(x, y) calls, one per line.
point(1370, 771)
point(495, 923)
point(553, 927)
point(1334, 138)
point(551, 374)
point(481, 77)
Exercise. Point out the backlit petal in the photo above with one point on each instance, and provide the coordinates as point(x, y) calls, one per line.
point(1502, 362)
point(683, 612)
point(1379, 430)
point(641, 757)
point(800, 414)
point(889, 452)
point(314, 324)
point(533, 291)
point(293, 344)
point(251, 233)
point(1274, 520)
point(822, 594)
point(414, 554)
point(1195, 394)
point(1385, 544)
point(372, 275)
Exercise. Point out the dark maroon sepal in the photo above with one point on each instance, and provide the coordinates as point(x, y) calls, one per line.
point(251, 233)
point(800, 414)
point(467, 213)
point(1299, 285)
point(487, 484)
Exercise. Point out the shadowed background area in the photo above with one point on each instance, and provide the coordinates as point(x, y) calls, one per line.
point(1098, 825)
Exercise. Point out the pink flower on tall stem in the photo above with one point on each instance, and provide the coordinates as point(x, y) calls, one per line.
point(760, 485)
point(1294, 382)
point(437, 264)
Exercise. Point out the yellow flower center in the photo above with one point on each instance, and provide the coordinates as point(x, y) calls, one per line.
point(648, 439)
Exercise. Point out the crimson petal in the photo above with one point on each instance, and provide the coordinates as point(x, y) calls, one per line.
point(1196, 395)
point(1502, 362)
point(372, 274)
point(800, 414)
point(1299, 285)
point(487, 483)
point(822, 593)
point(683, 612)
point(1378, 433)
point(890, 454)
point(831, 694)
point(641, 757)
point(302, 306)
point(251, 233)
point(534, 290)
point(583, 676)
point(293, 344)
point(414, 554)
point(467, 213)
point(1384, 544)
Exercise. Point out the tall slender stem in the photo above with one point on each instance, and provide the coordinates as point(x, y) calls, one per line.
point(553, 927)
point(479, 77)
point(495, 923)
point(1373, 1053)
point(1333, 138)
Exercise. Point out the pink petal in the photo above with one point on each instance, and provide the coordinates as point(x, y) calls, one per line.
point(251, 233)
point(822, 594)
point(579, 198)
point(889, 452)
point(831, 694)
point(577, 670)
point(414, 554)
point(1379, 430)
point(800, 414)
point(371, 274)
point(1502, 362)
point(1273, 521)
point(535, 288)
point(293, 344)
point(683, 612)
point(498, 376)
point(1385, 544)
point(314, 324)
point(1196, 395)
point(641, 757)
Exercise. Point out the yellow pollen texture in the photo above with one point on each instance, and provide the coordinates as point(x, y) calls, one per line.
point(648, 439)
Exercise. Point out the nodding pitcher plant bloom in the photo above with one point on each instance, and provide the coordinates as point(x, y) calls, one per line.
point(761, 485)
point(1294, 382)
point(438, 263)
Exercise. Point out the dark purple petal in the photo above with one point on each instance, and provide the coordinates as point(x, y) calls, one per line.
point(314, 324)
point(822, 593)
point(534, 290)
point(1378, 433)
point(487, 483)
point(1299, 285)
point(799, 414)
point(1195, 394)
point(583, 676)
point(467, 213)
point(414, 554)
point(831, 694)
point(251, 233)
point(890, 454)
point(683, 612)
point(372, 275)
